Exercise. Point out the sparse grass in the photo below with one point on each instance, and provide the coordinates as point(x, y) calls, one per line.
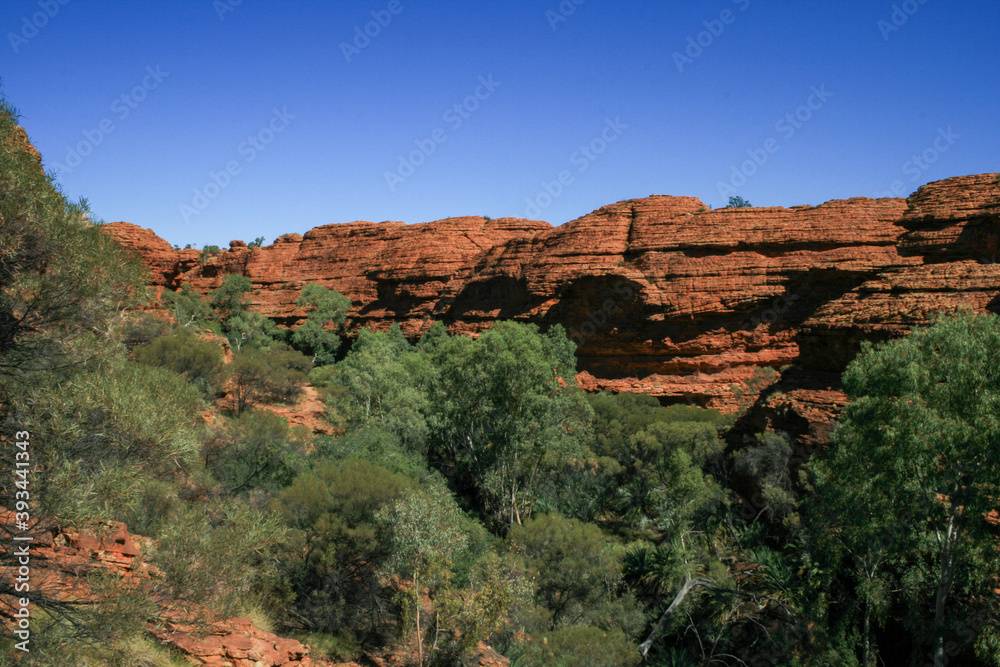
point(147, 652)
point(333, 647)
point(139, 650)
point(261, 619)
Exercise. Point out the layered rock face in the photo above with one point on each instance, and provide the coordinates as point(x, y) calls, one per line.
point(662, 295)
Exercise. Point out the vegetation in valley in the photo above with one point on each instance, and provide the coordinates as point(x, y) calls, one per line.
point(472, 492)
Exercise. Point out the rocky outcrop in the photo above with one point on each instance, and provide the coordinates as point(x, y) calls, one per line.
point(236, 642)
point(65, 560)
point(662, 295)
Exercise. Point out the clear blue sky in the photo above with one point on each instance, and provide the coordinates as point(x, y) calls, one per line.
point(329, 126)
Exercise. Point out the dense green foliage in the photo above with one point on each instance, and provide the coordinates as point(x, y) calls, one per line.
point(325, 307)
point(198, 360)
point(470, 491)
point(920, 445)
point(256, 376)
point(62, 282)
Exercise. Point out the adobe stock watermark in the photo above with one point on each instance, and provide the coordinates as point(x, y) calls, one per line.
point(566, 9)
point(30, 26)
point(22, 554)
point(714, 28)
point(455, 116)
point(581, 158)
point(223, 7)
point(786, 126)
point(363, 38)
point(901, 13)
point(122, 107)
point(920, 162)
point(248, 149)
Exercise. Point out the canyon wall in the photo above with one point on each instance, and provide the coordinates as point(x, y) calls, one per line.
point(723, 308)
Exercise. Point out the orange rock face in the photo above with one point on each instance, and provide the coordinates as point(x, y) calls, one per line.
point(63, 560)
point(662, 295)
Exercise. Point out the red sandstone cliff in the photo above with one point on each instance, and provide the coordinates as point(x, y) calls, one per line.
point(662, 295)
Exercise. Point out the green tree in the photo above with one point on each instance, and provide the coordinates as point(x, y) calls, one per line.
point(497, 587)
point(376, 445)
point(501, 419)
point(251, 329)
point(919, 441)
point(435, 337)
point(662, 480)
point(326, 312)
point(242, 326)
point(208, 252)
point(577, 572)
point(334, 557)
point(231, 298)
point(189, 308)
point(256, 376)
point(381, 382)
point(766, 465)
point(425, 537)
point(64, 284)
point(738, 202)
point(255, 450)
point(657, 461)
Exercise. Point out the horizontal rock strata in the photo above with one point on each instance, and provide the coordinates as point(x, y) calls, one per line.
point(662, 295)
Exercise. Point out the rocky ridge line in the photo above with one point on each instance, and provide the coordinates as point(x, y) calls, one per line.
point(662, 295)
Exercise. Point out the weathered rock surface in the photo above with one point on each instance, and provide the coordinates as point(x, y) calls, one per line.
point(63, 560)
point(662, 295)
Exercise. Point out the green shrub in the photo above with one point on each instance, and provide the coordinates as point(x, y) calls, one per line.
point(189, 308)
point(224, 556)
point(61, 277)
point(103, 433)
point(577, 570)
point(198, 360)
point(256, 450)
point(256, 376)
point(581, 646)
point(209, 252)
point(377, 446)
point(141, 328)
point(332, 561)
